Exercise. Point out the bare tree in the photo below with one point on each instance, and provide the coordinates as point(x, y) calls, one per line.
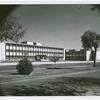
point(11, 29)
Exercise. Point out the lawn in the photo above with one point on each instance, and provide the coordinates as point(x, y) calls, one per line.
point(10, 74)
point(64, 86)
point(45, 85)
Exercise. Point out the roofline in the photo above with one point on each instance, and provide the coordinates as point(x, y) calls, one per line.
point(34, 45)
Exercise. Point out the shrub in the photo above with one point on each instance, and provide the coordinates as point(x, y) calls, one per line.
point(54, 59)
point(24, 67)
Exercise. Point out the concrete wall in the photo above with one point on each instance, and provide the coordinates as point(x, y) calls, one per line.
point(98, 56)
point(88, 55)
point(2, 52)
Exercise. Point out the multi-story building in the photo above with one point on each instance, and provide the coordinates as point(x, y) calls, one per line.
point(74, 55)
point(15, 52)
point(81, 55)
point(36, 51)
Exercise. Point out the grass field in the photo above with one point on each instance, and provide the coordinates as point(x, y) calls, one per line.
point(51, 80)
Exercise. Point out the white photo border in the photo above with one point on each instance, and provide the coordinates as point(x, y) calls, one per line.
point(10, 2)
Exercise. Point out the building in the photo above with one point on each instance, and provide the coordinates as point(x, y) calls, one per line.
point(81, 55)
point(31, 50)
point(73, 55)
point(37, 52)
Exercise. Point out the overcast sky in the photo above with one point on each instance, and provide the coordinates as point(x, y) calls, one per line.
point(58, 25)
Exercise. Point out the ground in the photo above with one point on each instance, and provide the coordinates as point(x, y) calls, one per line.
point(55, 80)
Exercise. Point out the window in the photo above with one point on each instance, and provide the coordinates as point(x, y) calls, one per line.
point(53, 50)
point(7, 47)
point(17, 47)
point(20, 48)
point(41, 49)
point(11, 53)
point(36, 49)
point(31, 54)
point(14, 47)
point(23, 48)
point(31, 48)
point(58, 50)
point(17, 53)
point(14, 53)
point(28, 54)
point(20, 53)
point(34, 54)
point(11, 47)
point(26, 48)
point(51, 54)
point(46, 49)
point(7, 53)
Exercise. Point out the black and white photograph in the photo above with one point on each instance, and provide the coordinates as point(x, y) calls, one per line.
point(50, 50)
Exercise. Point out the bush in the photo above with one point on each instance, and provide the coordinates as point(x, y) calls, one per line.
point(54, 59)
point(24, 67)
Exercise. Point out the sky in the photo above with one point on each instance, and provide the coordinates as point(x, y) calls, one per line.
point(58, 25)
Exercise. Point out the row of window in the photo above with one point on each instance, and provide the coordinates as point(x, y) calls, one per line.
point(76, 55)
point(30, 54)
point(19, 58)
point(79, 59)
point(10, 47)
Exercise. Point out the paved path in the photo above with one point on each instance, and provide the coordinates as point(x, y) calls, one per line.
point(40, 63)
point(48, 76)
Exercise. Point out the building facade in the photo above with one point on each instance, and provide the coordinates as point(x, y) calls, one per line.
point(73, 55)
point(36, 52)
point(81, 55)
point(15, 52)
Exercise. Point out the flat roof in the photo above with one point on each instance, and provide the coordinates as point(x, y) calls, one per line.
point(34, 45)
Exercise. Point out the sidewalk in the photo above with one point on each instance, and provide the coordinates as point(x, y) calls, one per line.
point(42, 63)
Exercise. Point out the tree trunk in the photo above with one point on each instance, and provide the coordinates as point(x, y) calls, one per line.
point(94, 57)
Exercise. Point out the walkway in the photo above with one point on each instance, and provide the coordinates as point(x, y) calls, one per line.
point(40, 63)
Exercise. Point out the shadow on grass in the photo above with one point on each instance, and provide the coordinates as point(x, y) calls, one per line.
point(65, 86)
point(1, 92)
point(41, 91)
point(76, 69)
point(14, 73)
